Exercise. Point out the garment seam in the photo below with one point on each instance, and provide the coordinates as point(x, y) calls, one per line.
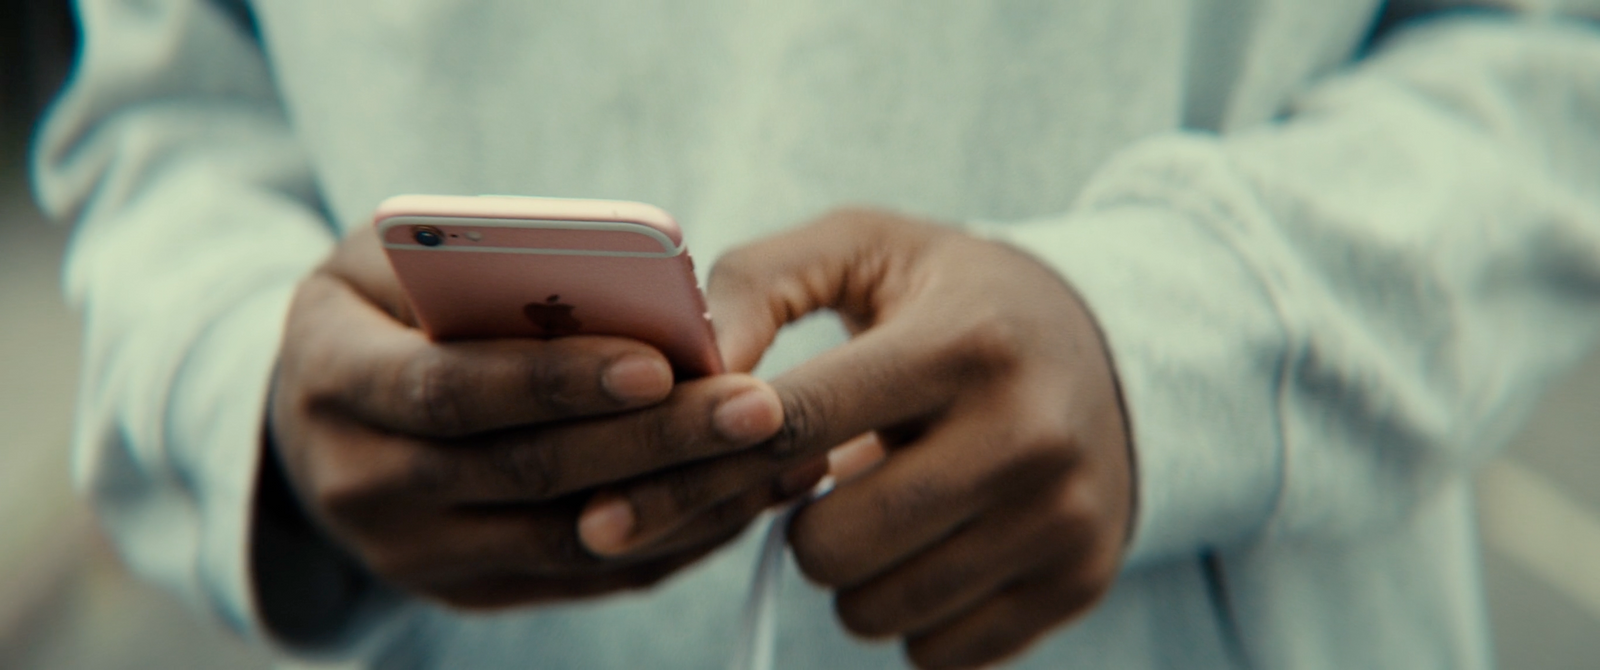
point(1218, 594)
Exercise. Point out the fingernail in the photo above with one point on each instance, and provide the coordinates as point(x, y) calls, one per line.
point(749, 416)
point(637, 377)
point(605, 528)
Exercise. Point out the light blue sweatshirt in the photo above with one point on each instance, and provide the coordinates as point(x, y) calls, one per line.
point(1334, 274)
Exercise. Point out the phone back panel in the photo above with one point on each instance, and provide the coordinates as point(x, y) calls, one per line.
point(513, 272)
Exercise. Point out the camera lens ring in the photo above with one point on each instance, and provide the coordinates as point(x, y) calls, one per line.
point(427, 236)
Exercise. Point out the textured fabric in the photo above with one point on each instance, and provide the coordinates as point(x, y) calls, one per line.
point(1332, 279)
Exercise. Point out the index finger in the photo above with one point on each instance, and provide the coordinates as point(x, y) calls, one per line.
point(876, 381)
point(357, 360)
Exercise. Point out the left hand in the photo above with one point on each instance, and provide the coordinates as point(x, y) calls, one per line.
point(1002, 506)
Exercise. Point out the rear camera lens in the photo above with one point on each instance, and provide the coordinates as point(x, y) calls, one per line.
point(427, 236)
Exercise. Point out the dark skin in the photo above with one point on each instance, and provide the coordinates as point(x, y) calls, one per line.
point(452, 470)
point(986, 481)
point(1002, 506)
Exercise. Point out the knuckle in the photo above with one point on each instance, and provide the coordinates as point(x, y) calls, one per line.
point(1072, 521)
point(430, 386)
point(1048, 450)
point(555, 384)
point(1036, 452)
point(1051, 437)
point(1079, 515)
point(353, 485)
point(985, 345)
point(302, 382)
point(427, 469)
point(532, 469)
point(668, 437)
point(348, 497)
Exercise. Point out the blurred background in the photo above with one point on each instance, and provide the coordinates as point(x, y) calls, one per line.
point(66, 603)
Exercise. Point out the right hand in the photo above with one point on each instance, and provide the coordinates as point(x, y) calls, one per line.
point(456, 471)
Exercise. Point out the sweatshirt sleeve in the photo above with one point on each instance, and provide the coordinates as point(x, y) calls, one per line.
point(195, 216)
point(1320, 322)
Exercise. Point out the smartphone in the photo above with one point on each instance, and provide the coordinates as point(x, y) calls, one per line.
point(512, 266)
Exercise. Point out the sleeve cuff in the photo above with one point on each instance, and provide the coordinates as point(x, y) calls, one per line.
point(1199, 354)
point(217, 416)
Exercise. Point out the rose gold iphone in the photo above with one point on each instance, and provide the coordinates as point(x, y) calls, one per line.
point(508, 266)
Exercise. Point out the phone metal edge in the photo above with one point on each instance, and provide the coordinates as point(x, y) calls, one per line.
point(669, 249)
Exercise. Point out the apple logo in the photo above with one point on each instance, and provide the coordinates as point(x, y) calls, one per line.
point(552, 318)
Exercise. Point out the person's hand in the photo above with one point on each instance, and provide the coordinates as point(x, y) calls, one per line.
point(456, 471)
point(1001, 505)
